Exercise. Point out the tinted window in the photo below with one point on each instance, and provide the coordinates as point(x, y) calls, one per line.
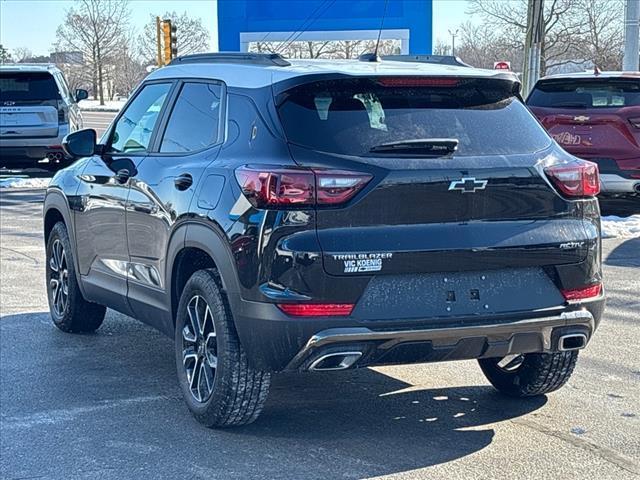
point(25, 86)
point(605, 93)
point(194, 123)
point(353, 116)
point(133, 131)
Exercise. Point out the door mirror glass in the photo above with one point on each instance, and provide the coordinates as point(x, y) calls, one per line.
point(81, 94)
point(80, 144)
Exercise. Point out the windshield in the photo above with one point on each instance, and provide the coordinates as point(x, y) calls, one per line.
point(357, 116)
point(605, 93)
point(25, 86)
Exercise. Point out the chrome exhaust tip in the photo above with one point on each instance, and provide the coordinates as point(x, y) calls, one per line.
point(335, 361)
point(572, 341)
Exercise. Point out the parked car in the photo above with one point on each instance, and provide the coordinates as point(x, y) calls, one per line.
point(37, 110)
point(305, 215)
point(595, 116)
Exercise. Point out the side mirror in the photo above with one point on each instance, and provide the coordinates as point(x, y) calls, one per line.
point(80, 144)
point(81, 94)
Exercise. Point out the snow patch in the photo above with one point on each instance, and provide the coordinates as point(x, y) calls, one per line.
point(23, 182)
point(625, 227)
point(94, 105)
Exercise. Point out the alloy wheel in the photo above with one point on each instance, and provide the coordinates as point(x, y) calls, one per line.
point(59, 278)
point(199, 349)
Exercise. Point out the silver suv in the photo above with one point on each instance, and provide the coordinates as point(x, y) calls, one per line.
point(37, 110)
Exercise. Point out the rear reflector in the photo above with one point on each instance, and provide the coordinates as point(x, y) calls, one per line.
point(582, 292)
point(418, 82)
point(316, 309)
point(577, 179)
point(278, 187)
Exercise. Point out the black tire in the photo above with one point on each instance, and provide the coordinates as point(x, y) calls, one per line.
point(231, 393)
point(537, 374)
point(70, 312)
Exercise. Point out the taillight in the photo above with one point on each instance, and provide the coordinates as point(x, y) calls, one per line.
point(317, 309)
point(276, 187)
point(418, 82)
point(635, 122)
point(582, 292)
point(62, 117)
point(578, 179)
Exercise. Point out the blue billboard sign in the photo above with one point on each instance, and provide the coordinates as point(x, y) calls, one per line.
point(242, 22)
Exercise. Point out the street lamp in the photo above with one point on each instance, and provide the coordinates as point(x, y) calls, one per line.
point(453, 34)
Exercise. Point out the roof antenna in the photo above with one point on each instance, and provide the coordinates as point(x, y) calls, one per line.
point(373, 57)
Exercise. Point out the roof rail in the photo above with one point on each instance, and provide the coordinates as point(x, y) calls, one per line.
point(266, 59)
point(438, 59)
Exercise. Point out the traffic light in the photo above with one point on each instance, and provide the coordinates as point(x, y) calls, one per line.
point(174, 41)
point(170, 41)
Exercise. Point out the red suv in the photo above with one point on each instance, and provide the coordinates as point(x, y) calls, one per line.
point(595, 116)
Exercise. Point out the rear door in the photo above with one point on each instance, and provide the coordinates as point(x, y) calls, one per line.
point(28, 105)
point(593, 118)
point(485, 206)
point(188, 140)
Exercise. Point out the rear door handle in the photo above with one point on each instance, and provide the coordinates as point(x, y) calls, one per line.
point(184, 181)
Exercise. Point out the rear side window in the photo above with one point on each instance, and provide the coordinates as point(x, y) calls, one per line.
point(353, 116)
point(605, 93)
point(28, 86)
point(194, 123)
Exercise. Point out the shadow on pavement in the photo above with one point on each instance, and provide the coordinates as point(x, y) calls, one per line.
point(626, 254)
point(96, 392)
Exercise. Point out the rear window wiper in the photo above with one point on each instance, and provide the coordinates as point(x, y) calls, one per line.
point(432, 147)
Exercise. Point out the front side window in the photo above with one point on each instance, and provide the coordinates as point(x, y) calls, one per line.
point(194, 123)
point(132, 132)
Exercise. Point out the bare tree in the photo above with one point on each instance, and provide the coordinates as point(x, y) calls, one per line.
point(601, 40)
point(95, 28)
point(562, 22)
point(193, 36)
point(326, 49)
point(442, 48)
point(22, 54)
point(5, 55)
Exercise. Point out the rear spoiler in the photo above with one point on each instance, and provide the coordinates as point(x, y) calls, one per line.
point(437, 59)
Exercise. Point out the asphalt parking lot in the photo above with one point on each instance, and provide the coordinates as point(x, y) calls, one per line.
point(107, 405)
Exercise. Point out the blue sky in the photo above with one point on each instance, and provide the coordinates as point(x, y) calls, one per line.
point(33, 23)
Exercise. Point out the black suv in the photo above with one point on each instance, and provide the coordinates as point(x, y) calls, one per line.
point(315, 215)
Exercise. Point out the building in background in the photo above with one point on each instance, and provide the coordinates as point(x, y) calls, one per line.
point(243, 24)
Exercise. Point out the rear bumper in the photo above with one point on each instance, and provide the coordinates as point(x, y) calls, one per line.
point(17, 151)
point(616, 184)
point(276, 342)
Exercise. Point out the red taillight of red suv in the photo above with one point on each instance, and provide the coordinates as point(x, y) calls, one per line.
point(577, 179)
point(277, 187)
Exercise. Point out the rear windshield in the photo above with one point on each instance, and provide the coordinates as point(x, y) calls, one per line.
point(354, 116)
point(605, 93)
point(24, 86)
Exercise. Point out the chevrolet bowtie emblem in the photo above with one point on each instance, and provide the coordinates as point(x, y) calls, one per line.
point(468, 185)
point(581, 118)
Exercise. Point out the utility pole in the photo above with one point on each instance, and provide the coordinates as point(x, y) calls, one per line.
point(631, 36)
point(453, 34)
point(159, 41)
point(533, 45)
